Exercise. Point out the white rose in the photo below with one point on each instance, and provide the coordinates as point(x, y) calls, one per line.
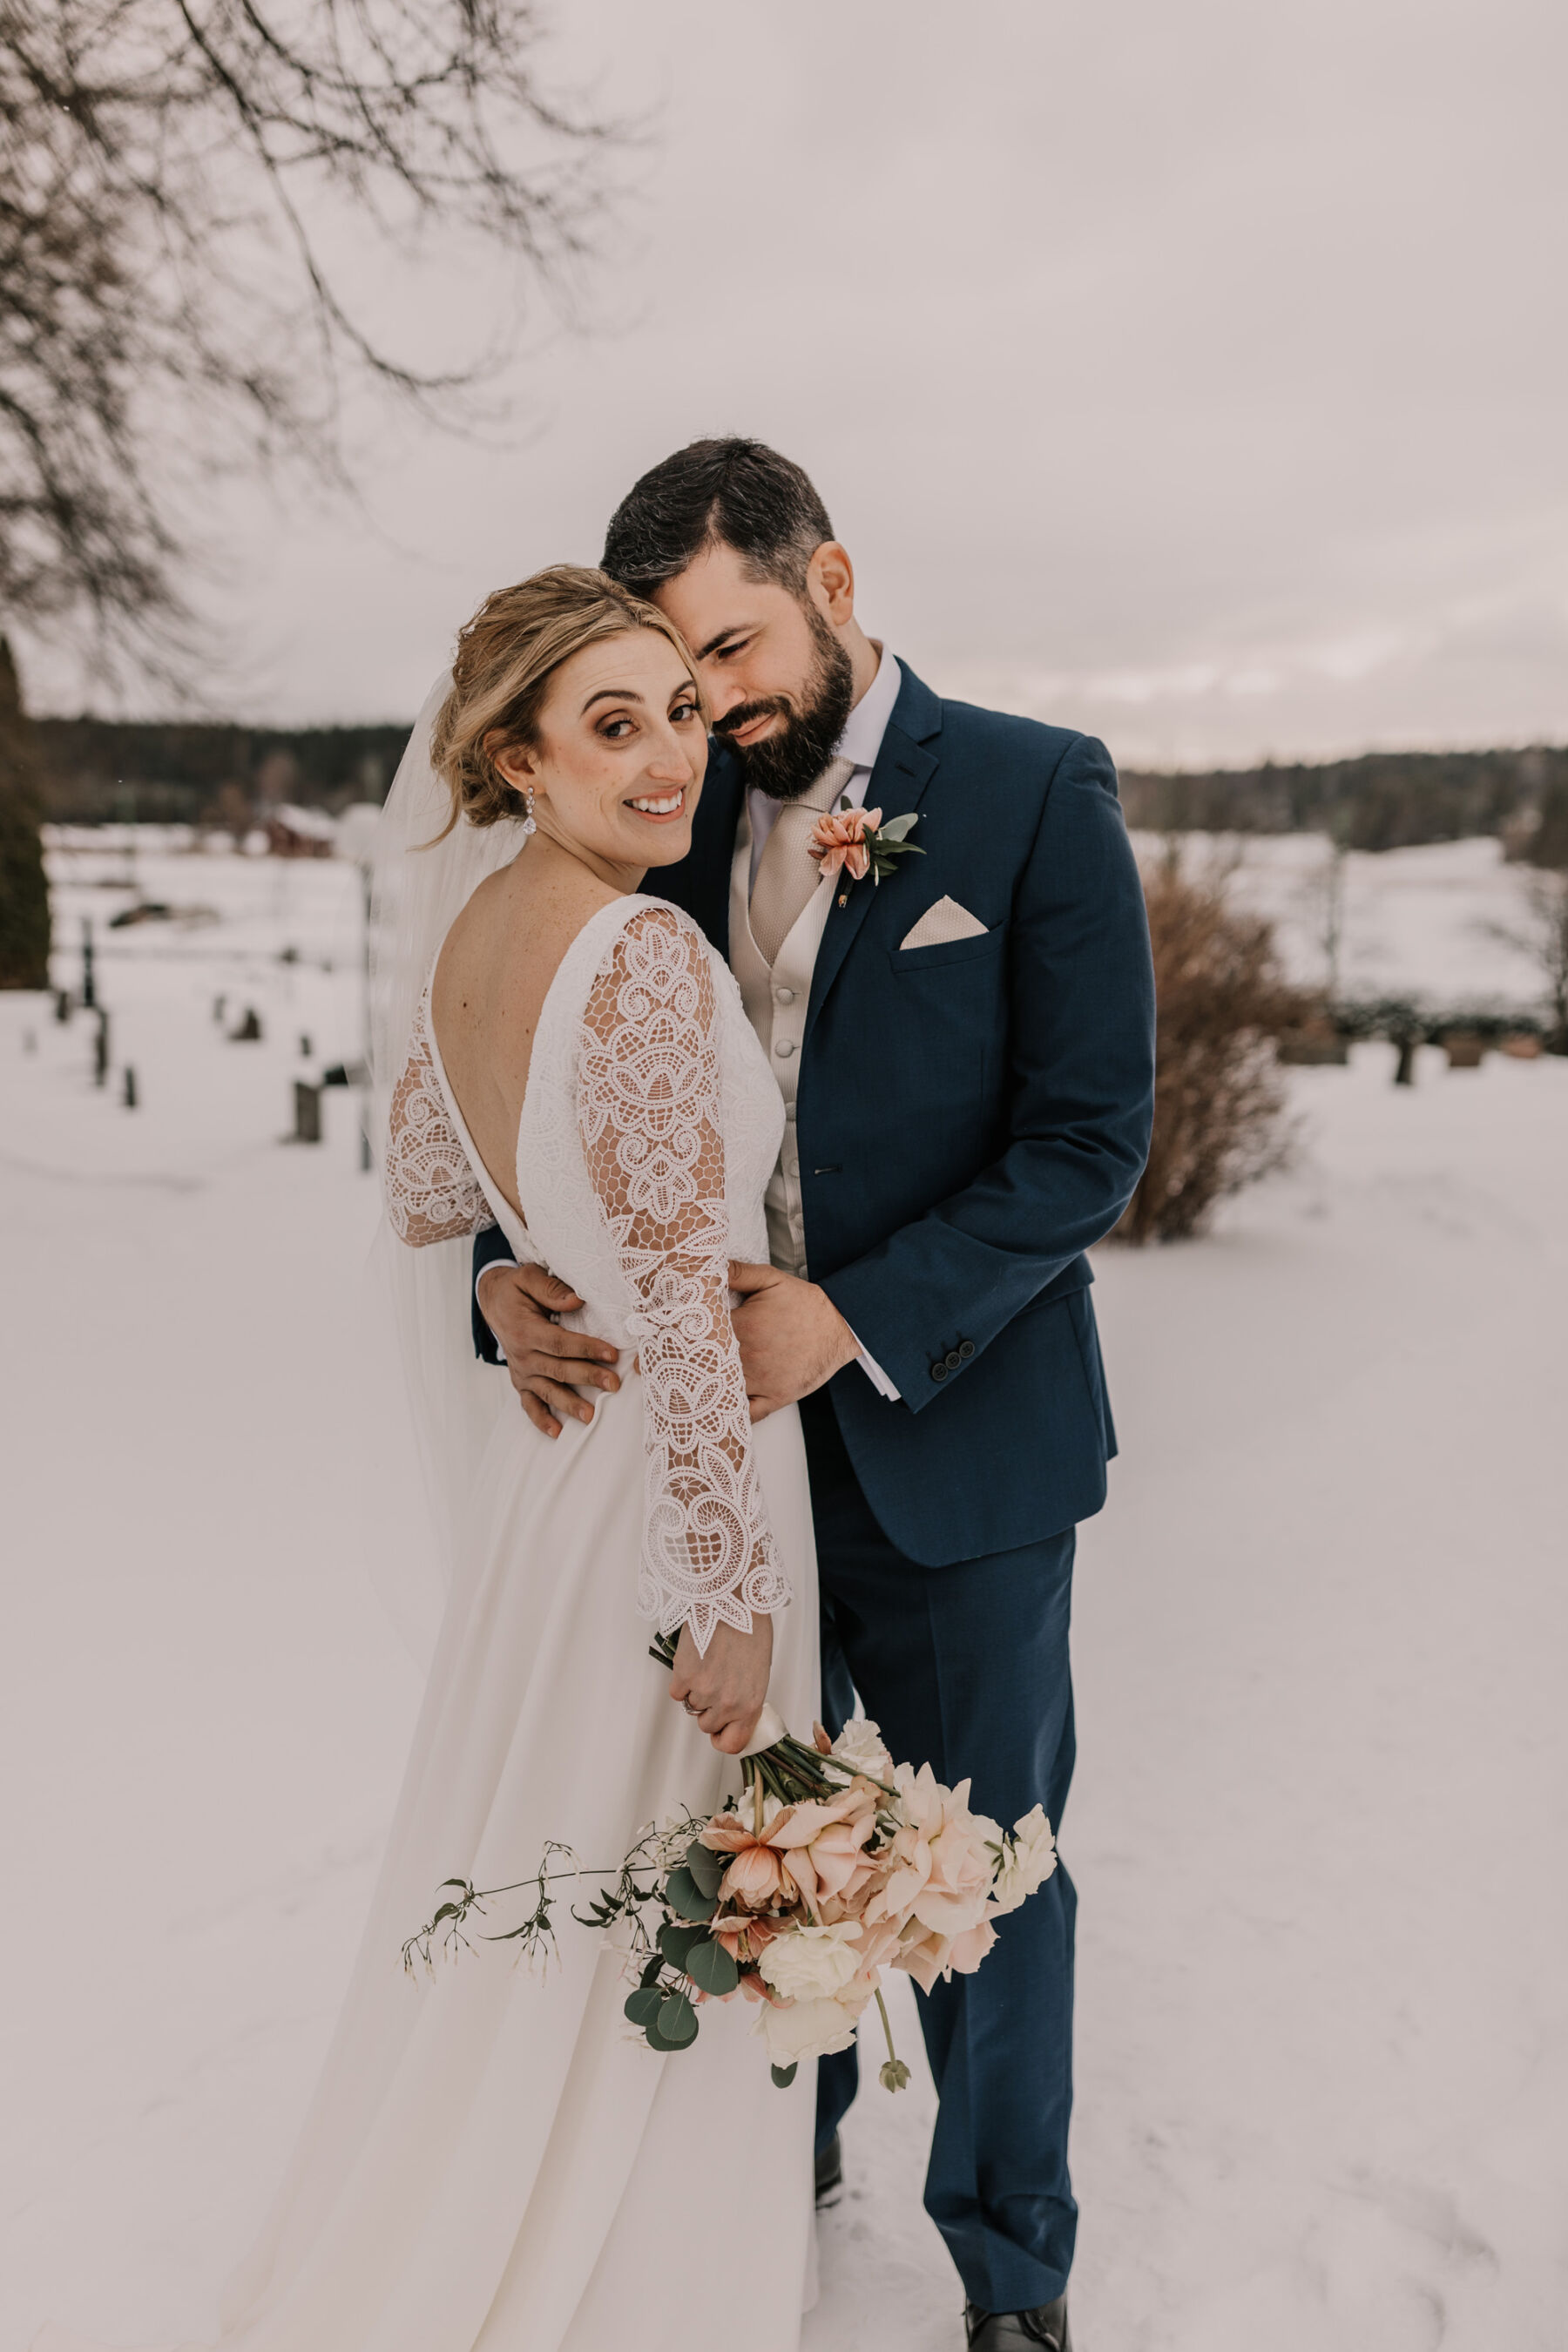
point(810, 2029)
point(859, 1745)
point(1026, 1862)
point(811, 1963)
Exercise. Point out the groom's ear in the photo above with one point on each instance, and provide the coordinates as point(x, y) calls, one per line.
point(830, 583)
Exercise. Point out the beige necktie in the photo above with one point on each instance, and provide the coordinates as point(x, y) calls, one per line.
point(787, 873)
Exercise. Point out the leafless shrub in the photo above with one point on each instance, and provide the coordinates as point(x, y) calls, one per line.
point(1541, 934)
point(184, 197)
point(1219, 1101)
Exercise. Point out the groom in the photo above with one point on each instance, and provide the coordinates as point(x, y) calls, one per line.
point(965, 1051)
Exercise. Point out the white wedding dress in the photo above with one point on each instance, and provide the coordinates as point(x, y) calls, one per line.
point(496, 2161)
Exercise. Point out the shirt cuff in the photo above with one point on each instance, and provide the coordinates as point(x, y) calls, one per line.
point(501, 1351)
point(877, 1377)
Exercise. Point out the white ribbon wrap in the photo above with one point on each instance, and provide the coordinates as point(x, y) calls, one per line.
point(771, 1728)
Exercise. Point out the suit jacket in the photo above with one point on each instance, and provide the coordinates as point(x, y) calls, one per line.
point(970, 1118)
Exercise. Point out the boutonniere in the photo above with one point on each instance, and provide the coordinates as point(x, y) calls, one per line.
point(854, 842)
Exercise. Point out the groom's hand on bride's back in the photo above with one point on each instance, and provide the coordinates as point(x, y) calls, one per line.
point(547, 1365)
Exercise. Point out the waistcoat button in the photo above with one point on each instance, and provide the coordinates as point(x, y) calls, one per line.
point(785, 995)
point(785, 1048)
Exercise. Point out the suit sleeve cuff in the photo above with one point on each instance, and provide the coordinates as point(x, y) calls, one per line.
point(498, 1260)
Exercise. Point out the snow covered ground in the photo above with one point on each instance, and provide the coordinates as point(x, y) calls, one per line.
point(1318, 1822)
point(1421, 922)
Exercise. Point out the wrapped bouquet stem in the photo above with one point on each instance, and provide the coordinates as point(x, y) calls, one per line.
point(831, 1864)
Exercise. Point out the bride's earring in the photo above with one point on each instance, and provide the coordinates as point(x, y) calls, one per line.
point(528, 824)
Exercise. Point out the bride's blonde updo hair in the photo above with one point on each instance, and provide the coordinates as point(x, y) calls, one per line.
point(506, 657)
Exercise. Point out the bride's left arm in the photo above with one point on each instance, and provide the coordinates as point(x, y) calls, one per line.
point(432, 1193)
point(650, 1118)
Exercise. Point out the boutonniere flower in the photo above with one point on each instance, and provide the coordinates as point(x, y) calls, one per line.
point(854, 842)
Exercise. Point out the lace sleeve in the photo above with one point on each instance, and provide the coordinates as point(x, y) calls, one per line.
point(432, 1193)
point(649, 1118)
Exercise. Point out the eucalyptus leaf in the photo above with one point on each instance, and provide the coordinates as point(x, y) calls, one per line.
point(706, 1867)
point(676, 2022)
point(712, 1970)
point(644, 2004)
point(897, 828)
point(675, 1941)
point(683, 1894)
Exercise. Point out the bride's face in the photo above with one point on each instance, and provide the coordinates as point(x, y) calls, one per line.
point(621, 754)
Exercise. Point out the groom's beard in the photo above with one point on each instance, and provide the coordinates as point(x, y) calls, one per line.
point(788, 762)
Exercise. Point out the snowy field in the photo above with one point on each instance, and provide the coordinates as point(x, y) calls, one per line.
point(1413, 923)
point(1319, 1825)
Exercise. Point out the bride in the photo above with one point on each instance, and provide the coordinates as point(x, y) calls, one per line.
point(497, 2161)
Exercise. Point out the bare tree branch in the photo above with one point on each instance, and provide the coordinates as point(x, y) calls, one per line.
point(171, 174)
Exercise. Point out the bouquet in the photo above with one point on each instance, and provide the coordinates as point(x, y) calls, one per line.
point(831, 1864)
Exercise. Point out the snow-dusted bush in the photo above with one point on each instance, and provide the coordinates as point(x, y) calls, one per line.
point(1219, 1101)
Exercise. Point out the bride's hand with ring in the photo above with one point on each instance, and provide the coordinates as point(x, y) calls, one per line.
point(723, 1688)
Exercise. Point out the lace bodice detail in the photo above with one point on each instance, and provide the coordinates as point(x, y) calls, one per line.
point(649, 1128)
point(431, 1192)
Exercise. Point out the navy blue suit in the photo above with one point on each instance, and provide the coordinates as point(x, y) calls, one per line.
point(971, 1117)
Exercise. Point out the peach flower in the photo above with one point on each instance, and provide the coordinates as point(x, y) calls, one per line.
point(941, 1857)
point(742, 1934)
point(838, 840)
point(824, 1845)
point(755, 1879)
point(928, 1955)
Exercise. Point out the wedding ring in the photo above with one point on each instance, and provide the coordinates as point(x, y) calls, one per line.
point(688, 1705)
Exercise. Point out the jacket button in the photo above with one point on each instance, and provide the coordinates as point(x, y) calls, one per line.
point(965, 1350)
point(939, 1372)
point(953, 1359)
point(785, 1048)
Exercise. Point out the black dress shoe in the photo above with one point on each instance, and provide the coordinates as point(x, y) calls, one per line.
point(1018, 2331)
point(829, 2161)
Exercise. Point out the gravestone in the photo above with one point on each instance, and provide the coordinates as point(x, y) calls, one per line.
point(307, 1112)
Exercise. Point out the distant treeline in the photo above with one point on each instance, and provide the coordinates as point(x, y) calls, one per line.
point(95, 770)
point(1385, 799)
point(169, 772)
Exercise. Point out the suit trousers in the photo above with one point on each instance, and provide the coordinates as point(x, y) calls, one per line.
point(966, 1667)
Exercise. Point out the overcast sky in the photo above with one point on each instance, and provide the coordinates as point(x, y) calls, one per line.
point(1194, 373)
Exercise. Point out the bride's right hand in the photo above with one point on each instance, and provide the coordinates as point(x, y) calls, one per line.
point(724, 1687)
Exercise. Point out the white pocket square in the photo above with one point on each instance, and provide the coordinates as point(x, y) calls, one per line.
point(944, 921)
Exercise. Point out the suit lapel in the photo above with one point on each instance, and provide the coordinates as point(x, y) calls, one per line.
point(905, 766)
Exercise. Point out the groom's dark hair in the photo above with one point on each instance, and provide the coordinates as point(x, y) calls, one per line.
point(730, 493)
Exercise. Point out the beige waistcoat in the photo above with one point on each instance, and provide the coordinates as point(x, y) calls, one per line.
point(776, 999)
